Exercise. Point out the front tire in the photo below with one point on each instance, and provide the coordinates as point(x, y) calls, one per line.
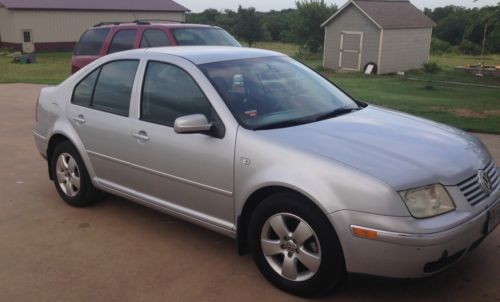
point(295, 246)
point(70, 176)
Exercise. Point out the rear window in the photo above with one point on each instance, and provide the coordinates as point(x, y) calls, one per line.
point(154, 38)
point(90, 43)
point(123, 40)
point(204, 36)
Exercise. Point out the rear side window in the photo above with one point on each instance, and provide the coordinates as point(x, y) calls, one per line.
point(123, 40)
point(169, 92)
point(107, 88)
point(114, 87)
point(154, 38)
point(90, 43)
point(83, 91)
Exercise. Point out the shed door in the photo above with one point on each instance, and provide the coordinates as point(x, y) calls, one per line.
point(351, 47)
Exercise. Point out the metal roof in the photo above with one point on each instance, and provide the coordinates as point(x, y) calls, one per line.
point(107, 5)
point(389, 13)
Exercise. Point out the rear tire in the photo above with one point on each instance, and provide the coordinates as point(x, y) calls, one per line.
point(295, 246)
point(70, 176)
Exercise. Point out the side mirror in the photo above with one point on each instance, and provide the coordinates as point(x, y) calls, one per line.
point(194, 123)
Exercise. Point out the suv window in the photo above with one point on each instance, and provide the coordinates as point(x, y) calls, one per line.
point(83, 91)
point(123, 40)
point(204, 36)
point(112, 90)
point(154, 38)
point(90, 43)
point(169, 92)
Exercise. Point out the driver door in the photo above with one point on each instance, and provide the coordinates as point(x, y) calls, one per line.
point(189, 173)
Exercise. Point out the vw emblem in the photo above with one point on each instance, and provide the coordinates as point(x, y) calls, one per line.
point(484, 181)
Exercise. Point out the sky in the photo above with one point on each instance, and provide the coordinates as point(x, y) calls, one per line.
point(266, 5)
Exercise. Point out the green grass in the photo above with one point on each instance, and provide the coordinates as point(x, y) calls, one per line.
point(50, 68)
point(466, 107)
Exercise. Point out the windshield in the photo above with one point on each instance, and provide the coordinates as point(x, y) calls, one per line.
point(275, 92)
point(204, 36)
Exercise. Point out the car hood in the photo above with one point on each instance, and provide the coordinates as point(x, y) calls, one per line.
point(402, 150)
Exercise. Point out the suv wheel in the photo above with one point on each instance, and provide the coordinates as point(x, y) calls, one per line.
point(71, 177)
point(295, 246)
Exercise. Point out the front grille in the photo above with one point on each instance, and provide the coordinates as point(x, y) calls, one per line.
point(471, 187)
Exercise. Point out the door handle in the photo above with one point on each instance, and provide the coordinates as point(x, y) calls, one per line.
point(141, 136)
point(80, 119)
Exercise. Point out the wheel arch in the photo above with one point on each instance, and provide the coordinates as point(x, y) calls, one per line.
point(60, 136)
point(251, 203)
point(54, 140)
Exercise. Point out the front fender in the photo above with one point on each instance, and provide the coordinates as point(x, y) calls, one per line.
point(331, 185)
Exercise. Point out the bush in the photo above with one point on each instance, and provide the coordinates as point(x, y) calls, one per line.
point(431, 68)
point(469, 48)
point(440, 46)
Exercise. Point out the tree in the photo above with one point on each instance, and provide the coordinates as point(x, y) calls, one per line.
point(211, 15)
point(248, 25)
point(308, 19)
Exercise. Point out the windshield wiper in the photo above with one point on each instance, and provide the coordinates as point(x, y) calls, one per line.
point(284, 124)
point(335, 113)
point(290, 123)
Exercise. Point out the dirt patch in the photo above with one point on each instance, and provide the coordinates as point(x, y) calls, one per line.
point(464, 112)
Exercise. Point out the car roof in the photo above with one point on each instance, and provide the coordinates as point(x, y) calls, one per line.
point(167, 24)
point(209, 54)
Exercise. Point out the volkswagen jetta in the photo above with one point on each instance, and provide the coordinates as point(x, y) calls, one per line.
point(256, 146)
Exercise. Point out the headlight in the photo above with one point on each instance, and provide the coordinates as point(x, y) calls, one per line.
point(428, 201)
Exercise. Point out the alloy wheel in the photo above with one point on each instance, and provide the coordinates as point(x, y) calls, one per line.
point(290, 247)
point(68, 174)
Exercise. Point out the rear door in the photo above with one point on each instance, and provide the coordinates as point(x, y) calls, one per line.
point(99, 112)
point(351, 48)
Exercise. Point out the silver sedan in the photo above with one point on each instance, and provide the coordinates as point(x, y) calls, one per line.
point(256, 146)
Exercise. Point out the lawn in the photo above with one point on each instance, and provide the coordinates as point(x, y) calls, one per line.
point(467, 107)
point(51, 68)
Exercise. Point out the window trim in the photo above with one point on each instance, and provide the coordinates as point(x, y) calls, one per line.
point(219, 121)
point(91, 103)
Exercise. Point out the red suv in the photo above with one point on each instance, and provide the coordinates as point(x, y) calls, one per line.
point(109, 37)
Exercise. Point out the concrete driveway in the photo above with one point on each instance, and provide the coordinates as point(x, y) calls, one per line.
point(120, 251)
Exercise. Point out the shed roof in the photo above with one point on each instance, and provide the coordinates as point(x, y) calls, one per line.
point(389, 13)
point(111, 5)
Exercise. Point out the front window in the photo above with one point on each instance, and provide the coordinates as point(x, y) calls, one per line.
point(204, 36)
point(276, 92)
point(169, 92)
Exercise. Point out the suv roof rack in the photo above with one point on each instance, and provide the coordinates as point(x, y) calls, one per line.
point(157, 20)
point(138, 22)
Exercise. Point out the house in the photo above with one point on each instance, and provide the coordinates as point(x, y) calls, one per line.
point(51, 25)
point(391, 35)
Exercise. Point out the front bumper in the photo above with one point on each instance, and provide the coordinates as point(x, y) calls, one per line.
point(406, 255)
